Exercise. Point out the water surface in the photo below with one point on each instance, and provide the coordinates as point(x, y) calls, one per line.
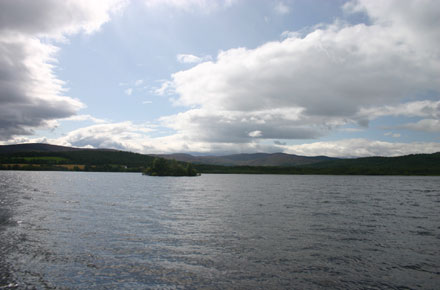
point(120, 230)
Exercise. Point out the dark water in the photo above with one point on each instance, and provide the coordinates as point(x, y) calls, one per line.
point(110, 230)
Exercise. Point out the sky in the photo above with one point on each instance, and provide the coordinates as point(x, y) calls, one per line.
point(313, 77)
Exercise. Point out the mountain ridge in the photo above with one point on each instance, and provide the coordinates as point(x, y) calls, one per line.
point(243, 159)
point(43, 147)
point(249, 159)
point(37, 156)
point(35, 147)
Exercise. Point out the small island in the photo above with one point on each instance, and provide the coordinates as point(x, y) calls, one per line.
point(163, 167)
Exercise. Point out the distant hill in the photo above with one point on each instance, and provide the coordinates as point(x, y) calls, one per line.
point(415, 164)
point(253, 159)
point(51, 157)
point(31, 147)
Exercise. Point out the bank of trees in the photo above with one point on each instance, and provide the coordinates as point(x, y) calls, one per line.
point(163, 167)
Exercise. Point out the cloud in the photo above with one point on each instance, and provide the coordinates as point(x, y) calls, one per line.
point(282, 8)
point(234, 126)
point(165, 88)
point(329, 72)
point(123, 136)
point(277, 142)
point(128, 91)
point(245, 100)
point(53, 18)
point(426, 125)
point(138, 82)
point(307, 85)
point(415, 21)
point(290, 34)
point(394, 135)
point(191, 5)
point(361, 148)
point(31, 95)
point(189, 58)
point(255, 134)
point(424, 109)
point(81, 118)
point(137, 138)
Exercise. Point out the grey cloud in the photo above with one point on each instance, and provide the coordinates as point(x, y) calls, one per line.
point(277, 142)
point(242, 127)
point(31, 95)
point(134, 137)
point(425, 125)
point(54, 17)
point(423, 109)
point(33, 17)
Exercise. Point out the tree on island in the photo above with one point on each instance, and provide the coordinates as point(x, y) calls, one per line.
point(163, 167)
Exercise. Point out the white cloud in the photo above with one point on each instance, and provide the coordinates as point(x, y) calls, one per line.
point(415, 21)
point(147, 102)
point(31, 95)
point(333, 76)
point(191, 5)
point(123, 136)
point(361, 148)
point(81, 118)
point(189, 58)
point(165, 88)
point(282, 8)
point(291, 34)
point(138, 82)
point(128, 91)
point(255, 134)
point(329, 72)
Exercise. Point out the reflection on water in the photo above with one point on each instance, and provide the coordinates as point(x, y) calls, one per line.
point(111, 230)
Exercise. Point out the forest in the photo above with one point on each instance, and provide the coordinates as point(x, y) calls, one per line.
point(122, 161)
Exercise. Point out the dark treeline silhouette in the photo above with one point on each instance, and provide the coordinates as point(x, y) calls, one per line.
point(121, 161)
point(163, 167)
point(416, 164)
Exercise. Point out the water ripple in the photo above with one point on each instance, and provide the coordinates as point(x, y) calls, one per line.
point(127, 231)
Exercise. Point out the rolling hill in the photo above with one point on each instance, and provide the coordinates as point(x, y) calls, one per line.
point(253, 159)
point(32, 147)
point(51, 157)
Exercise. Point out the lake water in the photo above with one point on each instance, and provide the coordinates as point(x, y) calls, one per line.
point(113, 230)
